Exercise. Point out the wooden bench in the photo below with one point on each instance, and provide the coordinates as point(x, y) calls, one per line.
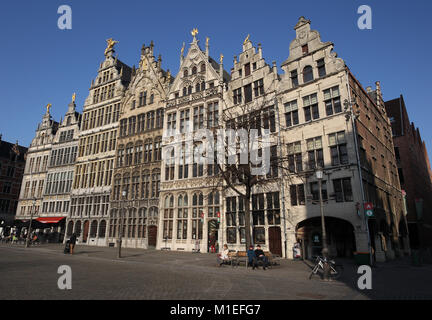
point(241, 257)
point(231, 259)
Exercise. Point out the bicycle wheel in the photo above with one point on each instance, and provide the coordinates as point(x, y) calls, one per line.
point(336, 271)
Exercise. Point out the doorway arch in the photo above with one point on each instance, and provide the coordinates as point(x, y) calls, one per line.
point(340, 237)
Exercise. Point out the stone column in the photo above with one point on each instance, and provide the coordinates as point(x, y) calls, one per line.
point(291, 239)
point(380, 255)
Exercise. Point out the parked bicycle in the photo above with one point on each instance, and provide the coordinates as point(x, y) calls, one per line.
point(335, 269)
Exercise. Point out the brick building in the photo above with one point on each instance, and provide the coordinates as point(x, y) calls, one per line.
point(414, 174)
point(12, 164)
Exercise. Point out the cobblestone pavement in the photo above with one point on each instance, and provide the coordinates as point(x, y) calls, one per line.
point(148, 274)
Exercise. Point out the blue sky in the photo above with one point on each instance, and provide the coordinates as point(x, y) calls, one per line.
point(42, 64)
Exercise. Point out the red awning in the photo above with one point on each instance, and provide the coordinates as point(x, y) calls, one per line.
point(50, 219)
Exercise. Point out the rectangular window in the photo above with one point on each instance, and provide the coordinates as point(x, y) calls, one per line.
point(259, 88)
point(315, 153)
point(184, 120)
point(338, 148)
point(247, 69)
point(248, 93)
point(295, 160)
point(343, 190)
point(305, 49)
point(297, 195)
point(315, 190)
point(198, 118)
point(171, 121)
point(321, 68)
point(332, 101)
point(310, 104)
point(291, 113)
point(213, 115)
point(237, 97)
point(294, 78)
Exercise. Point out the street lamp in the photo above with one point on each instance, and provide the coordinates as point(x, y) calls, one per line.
point(319, 175)
point(124, 194)
point(30, 225)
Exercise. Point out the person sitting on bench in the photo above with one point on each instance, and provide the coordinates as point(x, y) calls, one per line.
point(252, 259)
point(223, 257)
point(261, 256)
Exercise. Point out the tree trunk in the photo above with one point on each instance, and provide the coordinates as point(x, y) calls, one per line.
point(247, 220)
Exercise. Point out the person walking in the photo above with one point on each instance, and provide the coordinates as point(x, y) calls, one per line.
point(72, 242)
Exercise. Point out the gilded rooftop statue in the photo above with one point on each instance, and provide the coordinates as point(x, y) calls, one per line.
point(110, 45)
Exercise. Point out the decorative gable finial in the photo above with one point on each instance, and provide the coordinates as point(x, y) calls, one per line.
point(194, 32)
point(110, 45)
point(246, 40)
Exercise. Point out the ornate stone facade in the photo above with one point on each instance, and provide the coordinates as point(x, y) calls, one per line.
point(60, 173)
point(90, 195)
point(32, 187)
point(138, 157)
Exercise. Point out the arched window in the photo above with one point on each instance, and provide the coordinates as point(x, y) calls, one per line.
point(93, 229)
point(307, 74)
point(158, 149)
point(145, 184)
point(156, 176)
point(68, 121)
point(138, 152)
point(153, 213)
point(203, 68)
point(213, 204)
point(78, 228)
point(135, 185)
point(126, 184)
point(148, 148)
point(120, 156)
point(197, 212)
point(194, 70)
point(70, 229)
point(113, 224)
point(182, 216)
point(198, 87)
point(184, 91)
point(102, 229)
point(151, 98)
point(131, 223)
point(185, 73)
point(129, 154)
point(203, 86)
point(142, 223)
point(168, 217)
point(132, 125)
point(190, 90)
point(117, 187)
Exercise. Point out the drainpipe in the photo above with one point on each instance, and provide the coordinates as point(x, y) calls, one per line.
point(281, 176)
point(359, 166)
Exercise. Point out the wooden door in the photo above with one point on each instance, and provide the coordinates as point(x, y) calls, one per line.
point(152, 234)
point(86, 230)
point(275, 240)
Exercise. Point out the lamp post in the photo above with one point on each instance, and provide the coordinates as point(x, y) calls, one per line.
point(30, 225)
point(124, 194)
point(319, 174)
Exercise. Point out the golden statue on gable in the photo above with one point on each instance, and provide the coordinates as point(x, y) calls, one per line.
point(48, 107)
point(247, 39)
point(74, 97)
point(110, 45)
point(194, 32)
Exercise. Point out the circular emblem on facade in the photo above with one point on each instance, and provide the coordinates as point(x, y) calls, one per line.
point(302, 34)
point(193, 53)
